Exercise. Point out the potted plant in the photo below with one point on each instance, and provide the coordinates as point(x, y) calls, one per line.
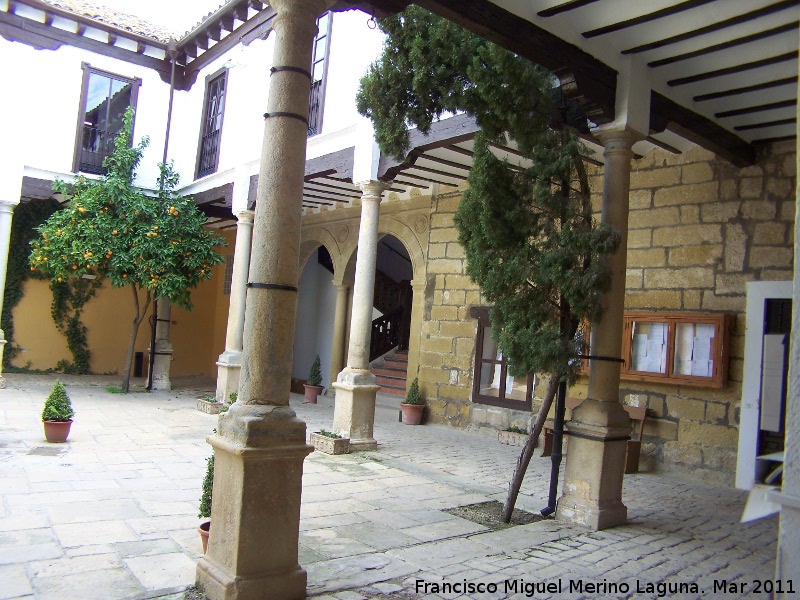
point(414, 405)
point(57, 414)
point(209, 405)
point(205, 503)
point(513, 436)
point(312, 385)
point(330, 443)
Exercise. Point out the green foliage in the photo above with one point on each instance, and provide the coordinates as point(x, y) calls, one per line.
point(208, 489)
point(314, 375)
point(233, 396)
point(69, 298)
point(329, 434)
point(27, 217)
point(515, 429)
point(112, 229)
point(530, 239)
point(413, 396)
point(115, 389)
point(57, 407)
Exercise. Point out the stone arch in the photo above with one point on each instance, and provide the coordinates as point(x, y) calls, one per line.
point(313, 239)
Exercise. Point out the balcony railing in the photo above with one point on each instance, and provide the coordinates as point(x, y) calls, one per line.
point(386, 332)
point(209, 154)
point(96, 145)
point(315, 108)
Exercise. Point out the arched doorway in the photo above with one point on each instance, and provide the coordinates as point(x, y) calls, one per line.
point(315, 316)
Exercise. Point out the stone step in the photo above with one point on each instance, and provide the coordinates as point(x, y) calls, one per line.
point(389, 372)
point(391, 381)
point(395, 364)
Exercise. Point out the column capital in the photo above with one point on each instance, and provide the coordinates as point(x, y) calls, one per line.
point(372, 188)
point(246, 216)
point(7, 206)
point(617, 138)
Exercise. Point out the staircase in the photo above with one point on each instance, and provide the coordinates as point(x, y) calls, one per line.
point(391, 373)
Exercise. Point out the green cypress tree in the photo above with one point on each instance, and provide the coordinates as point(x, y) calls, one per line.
point(531, 242)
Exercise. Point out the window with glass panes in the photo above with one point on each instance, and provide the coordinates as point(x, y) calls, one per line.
point(492, 382)
point(319, 71)
point(104, 99)
point(211, 134)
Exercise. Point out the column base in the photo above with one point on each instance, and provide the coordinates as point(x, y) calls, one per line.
point(354, 408)
point(258, 470)
point(592, 494)
point(161, 365)
point(219, 584)
point(229, 367)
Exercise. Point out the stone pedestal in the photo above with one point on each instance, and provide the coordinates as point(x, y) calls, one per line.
point(354, 410)
point(600, 426)
point(258, 467)
point(354, 413)
point(229, 367)
point(162, 361)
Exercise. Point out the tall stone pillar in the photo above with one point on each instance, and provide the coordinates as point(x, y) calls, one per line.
point(260, 443)
point(163, 347)
point(600, 426)
point(417, 310)
point(229, 364)
point(354, 410)
point(339, 329)
point(6, 213)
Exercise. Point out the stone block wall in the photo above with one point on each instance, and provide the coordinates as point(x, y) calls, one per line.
point(699, 230)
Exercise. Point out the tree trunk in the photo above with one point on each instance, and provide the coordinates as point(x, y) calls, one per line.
point(137, 320)
point(527, 451)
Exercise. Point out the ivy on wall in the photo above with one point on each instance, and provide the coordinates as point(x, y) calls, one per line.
point(27, 217)
point(69, 298)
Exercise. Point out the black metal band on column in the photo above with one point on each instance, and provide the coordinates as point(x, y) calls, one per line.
point(606, 358)
point(597, 438)
point(300, 70)
point(272, 286)
point(287, 114)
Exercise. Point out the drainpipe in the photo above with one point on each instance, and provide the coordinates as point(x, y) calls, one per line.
point(172, 51)
point(555, 457)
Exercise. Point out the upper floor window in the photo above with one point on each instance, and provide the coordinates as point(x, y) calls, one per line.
point(319, 71)
point(104, 98)
point(211, 132)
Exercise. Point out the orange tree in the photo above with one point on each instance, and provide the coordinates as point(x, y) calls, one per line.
point(111, 229)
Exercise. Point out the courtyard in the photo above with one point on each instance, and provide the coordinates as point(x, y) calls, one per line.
point(112, 514)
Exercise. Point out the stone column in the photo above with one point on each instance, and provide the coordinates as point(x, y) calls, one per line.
point(230, 361)
point(163, 347)
point(600, 426)
point(260, 443)
point(339, 329)
point(6, 213)
point(354, 410)
point(417, 310)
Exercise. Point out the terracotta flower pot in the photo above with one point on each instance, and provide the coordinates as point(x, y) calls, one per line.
point(56, 432)
point(412, 413)
point(204, 529)
point(311, 392)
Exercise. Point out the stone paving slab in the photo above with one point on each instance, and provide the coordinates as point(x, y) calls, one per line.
point(112, 513)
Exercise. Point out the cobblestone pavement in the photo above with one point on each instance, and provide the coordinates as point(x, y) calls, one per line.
point(112, 513)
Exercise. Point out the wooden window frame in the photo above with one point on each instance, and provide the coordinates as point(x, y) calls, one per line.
point(482, 315)
point(720, 348)
point(223, 74)
point(323, 81)
point(88, 69)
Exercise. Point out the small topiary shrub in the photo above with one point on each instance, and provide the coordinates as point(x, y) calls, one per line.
point(58, 407)
point(315, 375)
point(208, 488)
point(413, 396)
